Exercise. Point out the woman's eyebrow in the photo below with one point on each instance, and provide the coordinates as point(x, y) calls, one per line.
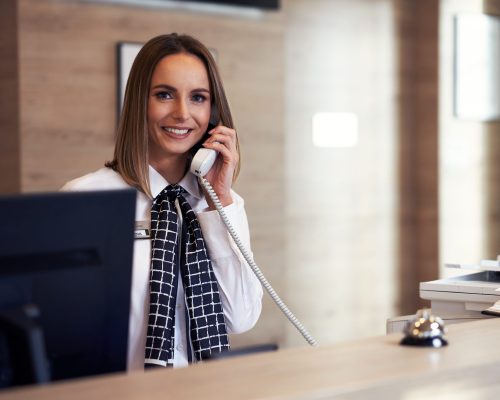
point(201, 90)
point(173, 89)
point(164, 86)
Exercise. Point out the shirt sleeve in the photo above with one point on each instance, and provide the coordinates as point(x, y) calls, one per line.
point(240, 289)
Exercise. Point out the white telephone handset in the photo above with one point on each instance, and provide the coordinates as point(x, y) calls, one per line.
point(202, 161)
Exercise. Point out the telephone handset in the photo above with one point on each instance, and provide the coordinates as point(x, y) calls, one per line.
point(204, 158)
point(203, 161)
point(200, 165)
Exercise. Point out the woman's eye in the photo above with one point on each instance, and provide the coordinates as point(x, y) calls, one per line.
point(199, 98)
point(163, 95)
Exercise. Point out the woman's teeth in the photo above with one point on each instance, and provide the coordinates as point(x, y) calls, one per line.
point(176, 131)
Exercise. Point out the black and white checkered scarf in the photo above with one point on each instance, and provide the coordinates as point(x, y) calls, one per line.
point(189, 255)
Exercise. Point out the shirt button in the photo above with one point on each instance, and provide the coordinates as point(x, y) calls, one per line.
point(179, 347)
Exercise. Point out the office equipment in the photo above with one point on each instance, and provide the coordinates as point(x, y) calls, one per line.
point(65, 275)
point(461, 298)
point(464, 296)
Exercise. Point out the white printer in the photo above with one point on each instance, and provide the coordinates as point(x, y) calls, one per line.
point(460, 298)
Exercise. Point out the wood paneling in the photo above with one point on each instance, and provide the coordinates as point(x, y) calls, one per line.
point(10, 168)
point(417, 33)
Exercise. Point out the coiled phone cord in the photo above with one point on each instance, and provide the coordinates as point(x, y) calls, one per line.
point(251, 263)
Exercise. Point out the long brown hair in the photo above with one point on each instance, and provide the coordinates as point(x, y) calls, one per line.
point(131, 147)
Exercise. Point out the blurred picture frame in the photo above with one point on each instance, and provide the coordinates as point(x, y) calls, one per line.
point(125, 55)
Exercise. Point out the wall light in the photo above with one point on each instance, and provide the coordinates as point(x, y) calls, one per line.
point(335, 129)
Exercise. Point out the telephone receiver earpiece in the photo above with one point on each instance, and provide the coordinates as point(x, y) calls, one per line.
point(204, 158)
point(202, 161)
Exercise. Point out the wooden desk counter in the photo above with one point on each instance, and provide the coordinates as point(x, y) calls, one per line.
point(361, 369)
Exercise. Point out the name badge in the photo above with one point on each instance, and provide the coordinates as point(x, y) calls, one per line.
point(142, 230)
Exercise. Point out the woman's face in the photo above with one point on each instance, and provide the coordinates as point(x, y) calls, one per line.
point(178, 106)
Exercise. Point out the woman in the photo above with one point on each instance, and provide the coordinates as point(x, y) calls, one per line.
point(174, 103)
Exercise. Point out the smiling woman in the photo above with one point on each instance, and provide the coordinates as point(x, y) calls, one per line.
point(190, 287)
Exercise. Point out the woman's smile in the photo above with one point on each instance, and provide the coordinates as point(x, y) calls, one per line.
point(177, 132)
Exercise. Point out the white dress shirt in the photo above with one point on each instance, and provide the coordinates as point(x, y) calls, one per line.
point(240, 290)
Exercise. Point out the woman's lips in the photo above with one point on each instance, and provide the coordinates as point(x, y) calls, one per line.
point(176, 132)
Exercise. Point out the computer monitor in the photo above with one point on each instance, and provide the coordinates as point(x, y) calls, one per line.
point(65, 276)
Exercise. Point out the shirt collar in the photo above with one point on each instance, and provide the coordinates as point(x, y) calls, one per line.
point(189, 182)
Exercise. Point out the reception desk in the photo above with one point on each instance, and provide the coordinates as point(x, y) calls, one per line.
point(373, 368)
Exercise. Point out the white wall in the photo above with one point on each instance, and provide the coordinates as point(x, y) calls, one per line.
point(341, 203)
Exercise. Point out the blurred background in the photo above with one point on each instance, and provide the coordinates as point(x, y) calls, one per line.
point(360, 177)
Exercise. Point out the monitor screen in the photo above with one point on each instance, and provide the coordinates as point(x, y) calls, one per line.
point(65, 276)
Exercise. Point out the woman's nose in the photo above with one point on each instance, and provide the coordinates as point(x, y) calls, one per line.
point(181, 111)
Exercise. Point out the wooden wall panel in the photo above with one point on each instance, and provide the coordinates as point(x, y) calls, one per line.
point(10, 168)
point(417, 34)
